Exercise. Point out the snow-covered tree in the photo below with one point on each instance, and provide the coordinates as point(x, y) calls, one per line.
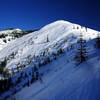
point(86, 29)
point(81, 54)
point(2, 66)
point(48, 39)
point(3, 63)
point(36, 73)
point(98, 41)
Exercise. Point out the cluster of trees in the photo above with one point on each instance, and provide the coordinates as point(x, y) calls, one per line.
point(27, 75)
point(3, 35)
point(77, 27)
point(12, 82)
point(5, 84)
point(16, 34)
point(3, 71)
point(82, 54)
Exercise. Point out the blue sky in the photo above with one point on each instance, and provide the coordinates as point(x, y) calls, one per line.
point(33, 14)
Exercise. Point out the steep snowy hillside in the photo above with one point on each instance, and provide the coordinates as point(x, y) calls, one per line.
point(44, 61)
point(63, 80)
point(6, 36)
point(48, 39)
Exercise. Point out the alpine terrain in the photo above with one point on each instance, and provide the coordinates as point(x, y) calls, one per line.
point(61, 61)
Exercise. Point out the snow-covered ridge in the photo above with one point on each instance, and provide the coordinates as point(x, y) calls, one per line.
point(54, 41)
point(60, 28)
point(6, 36)
point(8, 31)
point(50, 37)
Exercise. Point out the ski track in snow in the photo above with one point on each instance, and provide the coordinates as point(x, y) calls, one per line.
point(67, 83)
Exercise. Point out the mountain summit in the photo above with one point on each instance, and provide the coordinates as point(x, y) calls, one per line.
point(57, 32)
point(41, 65)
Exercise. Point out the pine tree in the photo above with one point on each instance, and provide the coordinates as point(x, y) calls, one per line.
point(32, 80)
point(2, 66)
point(81, 54)
point(6, 73)
point(86, 29)
point(3, 63)
point(48, 39)
point(98, 41)
point(36, 73)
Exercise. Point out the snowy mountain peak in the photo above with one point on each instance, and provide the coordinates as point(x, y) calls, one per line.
point(54, 47)
point(18, 29)
point(10, 30)
point(57, 23)
point(52, 37)
point(61, 22)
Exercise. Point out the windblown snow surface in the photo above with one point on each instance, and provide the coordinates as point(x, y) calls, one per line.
point(61, 79)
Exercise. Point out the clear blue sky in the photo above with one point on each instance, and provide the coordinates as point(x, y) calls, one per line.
point(31, 14)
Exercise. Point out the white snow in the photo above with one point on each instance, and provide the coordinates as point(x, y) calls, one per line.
point(8, 37)
point(62, 79)
point(36, 42)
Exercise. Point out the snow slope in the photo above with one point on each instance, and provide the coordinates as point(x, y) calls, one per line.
point(58, 33)
point(63, 80)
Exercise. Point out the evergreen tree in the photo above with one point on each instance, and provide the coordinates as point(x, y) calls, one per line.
point(81, 54)
point(6, 73)
point(98, 41)
point(32, 80)
point(48, 39)
point(36, 73)
point(86, 29)
point(3, 65)
point(77, 27)
point(1, 70)
point(73, 27)
point(4, 40)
